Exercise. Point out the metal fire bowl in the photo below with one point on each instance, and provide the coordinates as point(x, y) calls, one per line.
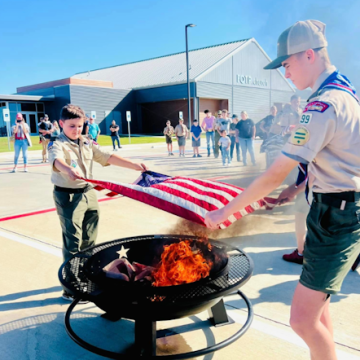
point(118, 302)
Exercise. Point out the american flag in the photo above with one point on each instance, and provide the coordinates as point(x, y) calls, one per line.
point(186, 197)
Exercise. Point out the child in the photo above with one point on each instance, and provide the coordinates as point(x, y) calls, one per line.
point(71, 158)
point(168, 132)
point(195, 136)
point(181, 132)
point(224, 144)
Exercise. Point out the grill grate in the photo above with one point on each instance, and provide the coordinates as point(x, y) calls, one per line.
point(74, 277)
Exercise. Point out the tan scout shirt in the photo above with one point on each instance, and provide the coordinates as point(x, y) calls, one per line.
point(180, 130)
point(328, 138)
point(80, 157)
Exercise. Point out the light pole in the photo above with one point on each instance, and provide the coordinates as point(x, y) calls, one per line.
point(187, 72)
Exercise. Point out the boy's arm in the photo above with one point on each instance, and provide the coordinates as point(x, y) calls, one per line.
point(119, 161)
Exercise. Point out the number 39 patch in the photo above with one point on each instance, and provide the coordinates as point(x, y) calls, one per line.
point(305, 118)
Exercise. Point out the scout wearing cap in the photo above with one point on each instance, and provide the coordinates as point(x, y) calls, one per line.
point(325, 141)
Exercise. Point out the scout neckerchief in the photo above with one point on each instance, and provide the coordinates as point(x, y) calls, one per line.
point(335, 81)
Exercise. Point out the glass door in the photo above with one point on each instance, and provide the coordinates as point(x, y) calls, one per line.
point(31, 119)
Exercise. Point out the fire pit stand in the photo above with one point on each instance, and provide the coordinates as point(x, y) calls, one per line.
point(146, 313)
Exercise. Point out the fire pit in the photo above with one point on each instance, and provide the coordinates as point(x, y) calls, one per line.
point(84, 277)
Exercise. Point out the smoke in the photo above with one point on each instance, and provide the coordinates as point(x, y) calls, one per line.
point(243, 226)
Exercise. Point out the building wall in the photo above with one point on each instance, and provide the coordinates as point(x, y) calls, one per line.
point(109, 104)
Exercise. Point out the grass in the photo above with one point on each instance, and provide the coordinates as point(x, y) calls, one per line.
point(103, 140)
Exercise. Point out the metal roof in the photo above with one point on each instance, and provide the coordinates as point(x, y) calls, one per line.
point(163, 70)
point(27, 97)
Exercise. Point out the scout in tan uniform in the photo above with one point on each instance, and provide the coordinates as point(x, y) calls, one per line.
point(327, 139)
point(72, 158)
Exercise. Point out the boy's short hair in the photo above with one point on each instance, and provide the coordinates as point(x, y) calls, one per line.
point(195, 120)
point(168, 121)
point(222, 131)
point(69, 112)
point(206, 111)
point(224, 111)
point(180, 119)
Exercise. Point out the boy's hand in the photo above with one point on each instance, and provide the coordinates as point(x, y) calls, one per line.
point(73, 174)
point(142, 167)
point(286, 195)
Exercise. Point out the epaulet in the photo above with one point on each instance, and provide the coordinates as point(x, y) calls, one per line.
point(318, 106)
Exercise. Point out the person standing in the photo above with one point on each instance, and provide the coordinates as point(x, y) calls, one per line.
point(114, 130)
point(168, 132)
point(217, 133)
point(181, 132)
point(195, 137)
point(329, 123)
point(234, 138)
point(85, 129)
point(55, 131)
point(72, 157)
point(246, 130)
point(45, 129)
point(224, 144)
point(266, 123)
point(19, 131)
point(94, 130)
point(208, 125)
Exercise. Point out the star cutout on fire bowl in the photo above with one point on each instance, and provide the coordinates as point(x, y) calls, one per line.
point(122, 252)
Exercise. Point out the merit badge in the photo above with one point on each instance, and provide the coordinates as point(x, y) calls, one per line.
point(73, 164)
point(300, 137)
point(318, 106)
point(50, 145)
point(305, 118)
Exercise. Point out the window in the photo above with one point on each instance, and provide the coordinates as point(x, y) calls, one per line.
point(28, 107)
point(40, 107)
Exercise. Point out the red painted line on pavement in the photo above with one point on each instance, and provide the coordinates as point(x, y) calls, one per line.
point(44, 211)
point(218, 178)
point(10, 168)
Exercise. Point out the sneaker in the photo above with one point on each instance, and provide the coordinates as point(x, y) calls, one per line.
point(13, 171)
point(198, 155)
point(120, 147)
point(194, 155)
point(294, 257)
point(171, 154)
point(180, 154)
point(229, 163)
point(25, 170)
point(66, 296)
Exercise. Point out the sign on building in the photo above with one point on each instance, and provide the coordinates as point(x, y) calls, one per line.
point(6, 115)
point(93, 115)
point(181, 115)
point(128, 116)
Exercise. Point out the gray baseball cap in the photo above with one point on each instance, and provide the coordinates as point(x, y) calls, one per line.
point(303, 35)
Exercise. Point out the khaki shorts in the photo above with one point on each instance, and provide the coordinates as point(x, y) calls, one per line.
point(331, 247)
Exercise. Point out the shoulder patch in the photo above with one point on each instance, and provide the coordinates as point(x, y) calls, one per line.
point(300, 136)
point(318, 106)
point(50, 145)
point(305, 118)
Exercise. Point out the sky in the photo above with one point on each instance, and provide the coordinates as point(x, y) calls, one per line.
point(45, 40)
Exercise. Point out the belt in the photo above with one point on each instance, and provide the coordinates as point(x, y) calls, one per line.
point(73, 191)
point(337, 200)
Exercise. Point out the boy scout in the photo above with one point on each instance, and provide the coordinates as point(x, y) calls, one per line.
point(326, 139)
point(72, 158)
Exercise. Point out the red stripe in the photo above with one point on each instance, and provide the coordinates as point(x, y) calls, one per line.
point(213, 195)
point(203, 204)
point(210, 185)
point(10, 168)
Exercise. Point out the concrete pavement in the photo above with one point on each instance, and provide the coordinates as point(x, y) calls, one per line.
point(32, 312)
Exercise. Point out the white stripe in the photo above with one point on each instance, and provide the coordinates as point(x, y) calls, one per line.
point(185, 204)
point(203, 188)
point(238, 191)
point(205, 198)
point(232, 218)
point(53, 250)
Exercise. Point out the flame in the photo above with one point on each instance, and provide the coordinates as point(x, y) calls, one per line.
point(181, 265)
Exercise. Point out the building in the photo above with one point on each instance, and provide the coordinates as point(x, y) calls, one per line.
point(229, 76)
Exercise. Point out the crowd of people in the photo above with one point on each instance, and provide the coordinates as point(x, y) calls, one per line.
point(223, 135)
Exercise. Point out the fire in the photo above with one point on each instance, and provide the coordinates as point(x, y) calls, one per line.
point(181, 265)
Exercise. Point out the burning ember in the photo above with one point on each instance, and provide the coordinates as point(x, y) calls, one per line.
point(181, 264)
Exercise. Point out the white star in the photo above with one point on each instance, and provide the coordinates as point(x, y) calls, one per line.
point(122, 252)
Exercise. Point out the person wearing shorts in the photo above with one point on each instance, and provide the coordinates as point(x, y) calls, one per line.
point(326, 142)
point(195, 137)
point(181, 132)
point(168, 132)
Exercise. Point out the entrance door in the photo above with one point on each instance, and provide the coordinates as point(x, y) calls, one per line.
point(32, 120)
